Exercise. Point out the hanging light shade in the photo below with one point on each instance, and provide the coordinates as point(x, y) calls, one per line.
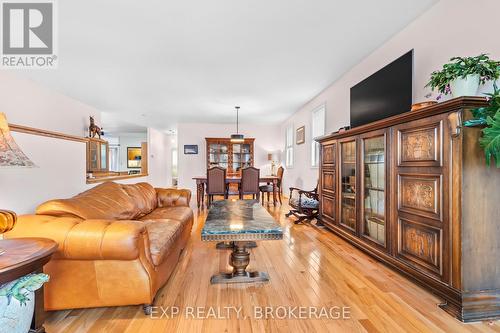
point(11, 156)
point(237, 138)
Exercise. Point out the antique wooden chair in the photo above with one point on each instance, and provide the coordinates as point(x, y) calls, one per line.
point(216, 183)
point(250, 182)
point(269, 187)
point(305, 204)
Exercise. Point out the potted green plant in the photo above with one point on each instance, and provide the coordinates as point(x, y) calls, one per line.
point(462, 75)
point(488, 117)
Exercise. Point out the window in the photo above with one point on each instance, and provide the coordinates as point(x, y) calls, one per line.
point(289, 146)
point(175, 162)
point(318, 129)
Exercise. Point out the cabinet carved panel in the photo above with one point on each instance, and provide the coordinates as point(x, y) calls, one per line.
point(420, 244)
point(420, 195)
point(329, 181)
point(328, 154)
point(420, 146)
point(328, 207)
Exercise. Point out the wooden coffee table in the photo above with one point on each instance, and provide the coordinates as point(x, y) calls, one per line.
point(240, 221)
point(24, 256)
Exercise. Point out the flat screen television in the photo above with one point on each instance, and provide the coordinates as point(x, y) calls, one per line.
point(385, 93)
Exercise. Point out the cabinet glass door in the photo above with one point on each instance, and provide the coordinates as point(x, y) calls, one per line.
point(218, 155)
point(104, 156)
point(374, 189)
point(241, 157)
point(348, 187)
point(93, 152)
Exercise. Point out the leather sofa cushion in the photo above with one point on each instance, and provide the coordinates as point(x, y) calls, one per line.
point(162, 234)
point(144, 196)
point(168, 197)
point(44, 226)
point(105, 201)
point(182, 214)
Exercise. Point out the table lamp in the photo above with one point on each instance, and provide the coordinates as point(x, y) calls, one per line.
point(273, 157)
point(11, 156)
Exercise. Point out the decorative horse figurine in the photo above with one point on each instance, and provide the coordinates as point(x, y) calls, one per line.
point(94, 129)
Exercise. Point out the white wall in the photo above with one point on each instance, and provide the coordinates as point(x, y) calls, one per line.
point(449, 28)
point(160, 158)
point(61, 163)
point(267, 139)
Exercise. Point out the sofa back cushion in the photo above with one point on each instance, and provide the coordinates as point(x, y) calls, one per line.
point(105, 201)
point(144, 197)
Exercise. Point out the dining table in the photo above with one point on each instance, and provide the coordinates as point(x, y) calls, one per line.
point(201, 182)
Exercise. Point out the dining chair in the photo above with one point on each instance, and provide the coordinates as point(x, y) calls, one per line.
point(269, 187)
point(250, 182)
point(216, 183)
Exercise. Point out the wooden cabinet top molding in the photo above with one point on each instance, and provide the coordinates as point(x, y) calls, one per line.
point(448, 106)
point(228, 139)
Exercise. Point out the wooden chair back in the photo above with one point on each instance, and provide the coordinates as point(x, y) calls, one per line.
point(250, 180)
point(216, 180)
point(280, 172)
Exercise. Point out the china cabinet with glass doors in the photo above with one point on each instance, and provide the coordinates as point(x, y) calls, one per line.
point(233, 157)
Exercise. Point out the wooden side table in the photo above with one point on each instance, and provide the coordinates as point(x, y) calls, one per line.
point(24, 256)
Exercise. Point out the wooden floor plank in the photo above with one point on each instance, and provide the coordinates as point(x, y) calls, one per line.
point(310, 267)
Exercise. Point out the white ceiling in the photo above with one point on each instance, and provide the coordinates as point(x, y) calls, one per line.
point(157, 63)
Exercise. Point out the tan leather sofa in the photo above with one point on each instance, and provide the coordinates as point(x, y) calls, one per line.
point(118, 244)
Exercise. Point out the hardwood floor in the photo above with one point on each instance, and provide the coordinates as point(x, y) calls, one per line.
point(310, 267)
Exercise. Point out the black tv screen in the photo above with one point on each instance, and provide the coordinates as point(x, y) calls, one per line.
point(386, 93)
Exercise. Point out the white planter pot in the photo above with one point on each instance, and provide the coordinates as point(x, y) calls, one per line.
point(16, 318)
point(467, 86)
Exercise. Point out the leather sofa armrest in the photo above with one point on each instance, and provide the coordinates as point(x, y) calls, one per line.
point(85, 239)
point(105, 239)
point(170, 197)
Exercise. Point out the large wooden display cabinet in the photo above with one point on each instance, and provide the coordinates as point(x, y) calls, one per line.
point(414, 192)
point(233, 157)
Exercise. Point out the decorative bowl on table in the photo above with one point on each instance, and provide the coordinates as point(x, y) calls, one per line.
point(421, 105)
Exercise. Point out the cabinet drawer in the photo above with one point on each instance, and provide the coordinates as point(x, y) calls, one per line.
point(328, 154)
point(328, 207)
point(328, 181)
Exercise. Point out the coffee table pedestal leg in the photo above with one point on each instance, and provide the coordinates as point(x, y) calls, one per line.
point(230, 245)
point(239, 259)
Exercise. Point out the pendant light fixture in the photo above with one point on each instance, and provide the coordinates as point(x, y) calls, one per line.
point(237, 138)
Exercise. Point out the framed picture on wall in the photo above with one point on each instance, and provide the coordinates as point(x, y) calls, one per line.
point(190, 149)
point(134, 157)
point(300, 135)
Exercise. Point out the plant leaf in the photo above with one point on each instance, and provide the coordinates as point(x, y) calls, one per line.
point(490, 141)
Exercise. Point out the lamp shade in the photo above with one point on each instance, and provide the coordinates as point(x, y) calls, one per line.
point(11, 155)
point(273, 156)
point(237, 138)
